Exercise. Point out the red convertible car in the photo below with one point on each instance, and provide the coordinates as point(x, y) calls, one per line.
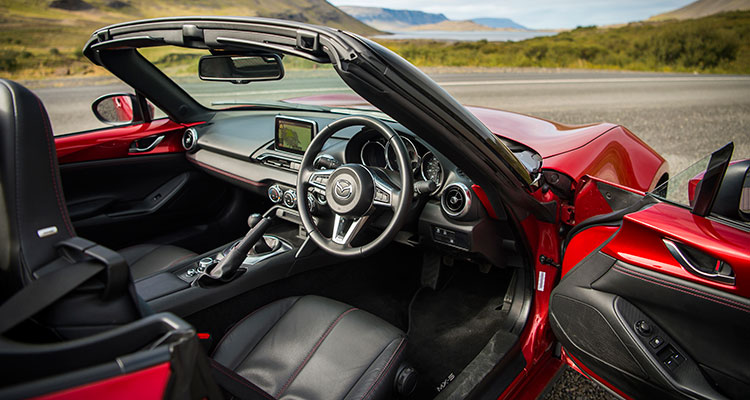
point(400, 245)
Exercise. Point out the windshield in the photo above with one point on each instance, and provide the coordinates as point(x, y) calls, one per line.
point(306, 84)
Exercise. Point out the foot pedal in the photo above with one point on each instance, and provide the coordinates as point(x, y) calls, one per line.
point(406, 380)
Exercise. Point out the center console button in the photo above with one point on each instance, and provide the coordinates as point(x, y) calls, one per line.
point(275, 194)
point(290, 198)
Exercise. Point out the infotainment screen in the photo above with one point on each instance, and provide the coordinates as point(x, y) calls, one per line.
point(294, 135)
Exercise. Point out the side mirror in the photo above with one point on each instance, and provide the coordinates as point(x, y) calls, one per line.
point(115, 109)
point(241, 69)
point(733, 199)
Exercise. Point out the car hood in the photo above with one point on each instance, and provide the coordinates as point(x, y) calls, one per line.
point(547, 138)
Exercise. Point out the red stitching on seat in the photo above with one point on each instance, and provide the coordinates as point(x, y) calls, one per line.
point(309, 354)
point(63, 208)
point(385, 371)
point(243, 381)
point(668, 286)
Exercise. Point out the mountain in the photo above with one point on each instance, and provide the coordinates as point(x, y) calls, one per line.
point(499, 23)
point(703, 8)
point(389, 19)
point(455, 26)
point(103, 12)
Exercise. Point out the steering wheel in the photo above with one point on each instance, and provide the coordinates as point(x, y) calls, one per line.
point(354, 191)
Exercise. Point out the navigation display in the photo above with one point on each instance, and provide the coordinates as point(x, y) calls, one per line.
point(294, 135)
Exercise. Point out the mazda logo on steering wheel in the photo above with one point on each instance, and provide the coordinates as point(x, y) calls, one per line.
point(343, 189)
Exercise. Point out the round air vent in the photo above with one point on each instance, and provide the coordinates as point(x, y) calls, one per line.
point(456, 200)
point(189, 139)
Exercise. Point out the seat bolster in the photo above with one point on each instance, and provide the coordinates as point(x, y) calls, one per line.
point(377, 381)
point(242, 338)
point(148, 259)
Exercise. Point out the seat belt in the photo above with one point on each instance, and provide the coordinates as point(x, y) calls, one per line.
point(50, 287)
point(235, 384)
point(43, 292)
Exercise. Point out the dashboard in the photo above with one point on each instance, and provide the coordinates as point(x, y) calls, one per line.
point(243, 148)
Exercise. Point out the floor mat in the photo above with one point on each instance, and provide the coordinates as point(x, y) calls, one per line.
point(450, 326)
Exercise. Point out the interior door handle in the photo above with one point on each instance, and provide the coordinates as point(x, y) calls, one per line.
point(137, 147)
point(700, 264)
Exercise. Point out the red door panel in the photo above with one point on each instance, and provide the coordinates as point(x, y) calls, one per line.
point(115, 142)
point(640, 243)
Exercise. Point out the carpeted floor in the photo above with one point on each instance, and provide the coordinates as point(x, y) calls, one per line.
point(451, 325)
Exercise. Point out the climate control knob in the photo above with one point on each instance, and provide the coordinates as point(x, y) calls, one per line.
point(290, 198)
point(275, 194)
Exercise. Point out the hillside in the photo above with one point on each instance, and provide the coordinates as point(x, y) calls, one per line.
point(703, 8)
point(461, 26)
point(387, 19)
point(41, 38)
point(499, 23)
point(715, 44)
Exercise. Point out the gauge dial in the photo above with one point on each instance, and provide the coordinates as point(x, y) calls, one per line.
point(432, 170)
point(373, 154)
point(392, 160)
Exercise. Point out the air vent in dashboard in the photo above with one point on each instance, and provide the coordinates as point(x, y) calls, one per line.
point(189, 139)
point(279, 161)
point(456, 200)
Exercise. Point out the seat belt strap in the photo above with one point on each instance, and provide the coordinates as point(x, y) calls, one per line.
point(236, 385)
point(44, 291)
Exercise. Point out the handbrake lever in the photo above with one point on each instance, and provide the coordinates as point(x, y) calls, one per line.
point(228, 266)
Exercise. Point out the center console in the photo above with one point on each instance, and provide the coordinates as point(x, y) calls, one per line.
point(281, 251)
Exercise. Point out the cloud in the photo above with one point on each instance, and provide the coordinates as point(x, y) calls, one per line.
point(537, 13)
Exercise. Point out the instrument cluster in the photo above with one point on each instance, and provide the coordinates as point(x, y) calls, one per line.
point(425, 165)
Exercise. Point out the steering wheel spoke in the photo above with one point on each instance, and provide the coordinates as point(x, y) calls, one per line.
point(346, 229)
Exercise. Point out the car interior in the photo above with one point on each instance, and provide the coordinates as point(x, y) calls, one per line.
point(268, 229)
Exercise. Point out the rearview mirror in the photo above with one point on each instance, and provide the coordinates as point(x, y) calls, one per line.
point(241, 69)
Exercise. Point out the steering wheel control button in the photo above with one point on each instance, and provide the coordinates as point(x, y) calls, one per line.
point(290, 198)
point(656, 342)
point(382, 196)
point(643, 328)
point(275, 194)
point(350, 190)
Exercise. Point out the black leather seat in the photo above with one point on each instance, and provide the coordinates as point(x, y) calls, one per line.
point(313, 348)
point(33, 195)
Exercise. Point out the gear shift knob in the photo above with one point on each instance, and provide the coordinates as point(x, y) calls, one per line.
point(253, 220)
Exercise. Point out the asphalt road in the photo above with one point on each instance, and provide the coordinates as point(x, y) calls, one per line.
point(683, 117)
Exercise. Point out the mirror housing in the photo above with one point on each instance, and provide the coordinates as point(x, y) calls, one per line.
point(733, 199)
point(241, 69)
point(115, 108)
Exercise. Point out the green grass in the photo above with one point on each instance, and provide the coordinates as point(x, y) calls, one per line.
point(716, 44)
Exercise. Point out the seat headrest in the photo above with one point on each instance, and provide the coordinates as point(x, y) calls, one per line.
point(35, 216)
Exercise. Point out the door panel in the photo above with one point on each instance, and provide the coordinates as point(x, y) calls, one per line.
point(132, 200)
point(631, 313)
point(117, 142)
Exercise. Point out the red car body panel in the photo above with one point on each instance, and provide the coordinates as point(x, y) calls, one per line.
point(146, 384)
point(115, 142)
point(584, 243)
point(640, 243)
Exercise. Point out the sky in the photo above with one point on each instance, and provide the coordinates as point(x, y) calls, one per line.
point(535, 14)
